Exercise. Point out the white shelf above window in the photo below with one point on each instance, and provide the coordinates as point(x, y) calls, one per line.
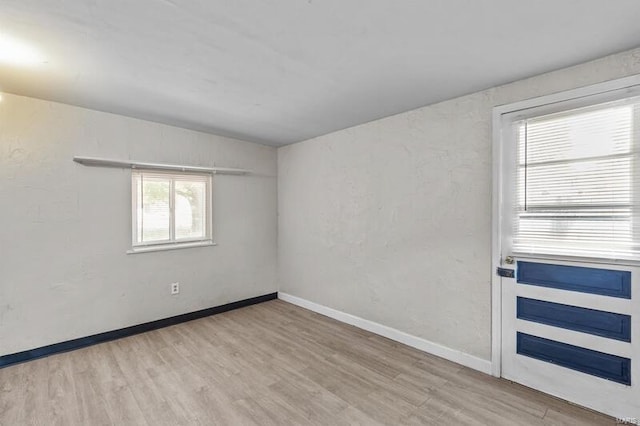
point(130, 164)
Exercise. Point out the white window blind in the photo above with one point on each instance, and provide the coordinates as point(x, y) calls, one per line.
point(577, 186)
point(170, 208)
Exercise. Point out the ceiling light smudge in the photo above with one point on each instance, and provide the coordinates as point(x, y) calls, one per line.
point(17, 52)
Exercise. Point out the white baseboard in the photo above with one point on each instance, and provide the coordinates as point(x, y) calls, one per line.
point(393, 334)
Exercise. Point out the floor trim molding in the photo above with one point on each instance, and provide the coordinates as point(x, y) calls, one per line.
point(454, 355)
point(82, 342)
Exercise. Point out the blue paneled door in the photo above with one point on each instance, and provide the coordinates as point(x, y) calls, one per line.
point(566, 247)
point(570, 329)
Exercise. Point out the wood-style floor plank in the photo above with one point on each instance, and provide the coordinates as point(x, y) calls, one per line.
point(267, 364)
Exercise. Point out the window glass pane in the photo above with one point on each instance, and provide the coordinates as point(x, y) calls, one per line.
point(580, 184)
point(576, 182)
point(190, 209)
point(138, 212)
point(598, 131)
point(154, 219)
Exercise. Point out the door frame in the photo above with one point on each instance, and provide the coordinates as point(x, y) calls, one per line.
point(499, 170)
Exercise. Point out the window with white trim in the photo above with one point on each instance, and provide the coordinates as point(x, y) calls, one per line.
point(170, 209)
point(577, 187)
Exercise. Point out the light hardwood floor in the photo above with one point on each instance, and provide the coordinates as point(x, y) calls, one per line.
point(272, 363)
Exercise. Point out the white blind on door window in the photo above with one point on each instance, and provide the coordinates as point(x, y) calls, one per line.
point(577, 182)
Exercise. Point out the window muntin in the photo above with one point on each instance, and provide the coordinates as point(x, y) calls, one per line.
point(170, 208)
point(576, 182)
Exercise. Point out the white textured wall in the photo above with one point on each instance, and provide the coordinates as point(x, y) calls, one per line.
point(65, 228)
point(391, 220)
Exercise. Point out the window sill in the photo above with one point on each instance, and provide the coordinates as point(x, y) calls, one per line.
point(173, 246)
point(577, 259)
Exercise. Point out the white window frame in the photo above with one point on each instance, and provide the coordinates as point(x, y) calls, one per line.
point(172, 243)
point(504, 145)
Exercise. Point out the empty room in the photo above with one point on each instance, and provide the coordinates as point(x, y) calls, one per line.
point(319, 212)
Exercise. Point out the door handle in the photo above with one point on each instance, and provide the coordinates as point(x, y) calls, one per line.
point(509, 260)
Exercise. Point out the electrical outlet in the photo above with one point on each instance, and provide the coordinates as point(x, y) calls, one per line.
point(175, 288)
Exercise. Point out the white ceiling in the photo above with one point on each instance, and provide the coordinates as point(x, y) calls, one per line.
point(281, 71)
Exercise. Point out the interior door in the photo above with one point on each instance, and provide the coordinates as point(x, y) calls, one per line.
point(569, 238)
